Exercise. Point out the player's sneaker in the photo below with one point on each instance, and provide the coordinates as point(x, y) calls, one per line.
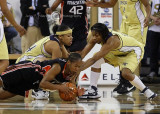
point(152, 97)
point(126, 89)
point(119, 86)
point(124, 86)
point(148, 92)
point(40, 94)
point(90, 93)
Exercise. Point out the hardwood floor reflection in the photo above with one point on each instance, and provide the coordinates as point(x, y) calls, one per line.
point(109, 103)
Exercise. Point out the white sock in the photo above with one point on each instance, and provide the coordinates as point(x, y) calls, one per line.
point(148, 93)
point(94, 78)
point(138, 83)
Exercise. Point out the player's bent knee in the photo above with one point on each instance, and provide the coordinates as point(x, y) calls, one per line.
point(126, 74)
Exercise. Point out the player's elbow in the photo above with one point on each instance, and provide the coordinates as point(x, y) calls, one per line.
point(42, 84)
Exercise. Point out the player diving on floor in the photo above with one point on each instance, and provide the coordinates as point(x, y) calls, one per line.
point(48, 75)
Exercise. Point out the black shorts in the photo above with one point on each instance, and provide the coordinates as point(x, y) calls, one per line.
point(79, 39)
point(21, 80)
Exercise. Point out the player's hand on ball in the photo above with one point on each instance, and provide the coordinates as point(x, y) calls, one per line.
point(64, 89)
point(80, 91)
point(71, 95)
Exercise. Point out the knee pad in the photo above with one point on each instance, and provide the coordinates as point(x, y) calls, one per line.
point(98, 63)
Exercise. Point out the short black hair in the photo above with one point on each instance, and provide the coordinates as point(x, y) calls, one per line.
point(59, 28)
point(101, 29)
point(74, 57)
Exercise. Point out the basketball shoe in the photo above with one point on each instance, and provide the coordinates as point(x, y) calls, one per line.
point(124, 86)
point(127, 87)
point(149, 94)
point(91, 93)
point(40, 94)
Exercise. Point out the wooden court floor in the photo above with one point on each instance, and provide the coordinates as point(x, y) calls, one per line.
point(109, 103)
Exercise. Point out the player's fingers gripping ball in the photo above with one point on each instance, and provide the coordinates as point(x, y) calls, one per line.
point(71, 95)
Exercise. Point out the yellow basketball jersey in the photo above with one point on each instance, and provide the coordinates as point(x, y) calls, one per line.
point(128, 44)
point(37, 50)
point(128, 54)
point(132, 11)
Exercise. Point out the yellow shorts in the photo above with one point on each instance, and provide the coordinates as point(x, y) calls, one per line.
point(3, 49)
point(134, 30)
point(129, 61)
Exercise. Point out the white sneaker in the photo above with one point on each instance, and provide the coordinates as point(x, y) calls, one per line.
point(149, 94)
point(40, 94)
point(90, 93)
point(39, 103)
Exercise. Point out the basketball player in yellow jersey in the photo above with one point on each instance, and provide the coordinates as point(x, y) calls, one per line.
point(50, 47)
point(135, 18)
point(4, 62)
point(117, 49)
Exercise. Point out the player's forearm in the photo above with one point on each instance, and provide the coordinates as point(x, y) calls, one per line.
point(7, 13)
point(148, 10)
point(87, 64)
point(49, 86)
point(87, 49)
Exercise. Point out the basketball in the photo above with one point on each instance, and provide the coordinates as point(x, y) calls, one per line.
point(72, 95)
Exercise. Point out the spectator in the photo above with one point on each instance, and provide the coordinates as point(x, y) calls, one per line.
point(34, 20)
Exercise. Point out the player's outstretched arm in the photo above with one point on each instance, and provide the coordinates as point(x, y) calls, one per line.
point(112, 43)
point(88, 47)
point(102, 4)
